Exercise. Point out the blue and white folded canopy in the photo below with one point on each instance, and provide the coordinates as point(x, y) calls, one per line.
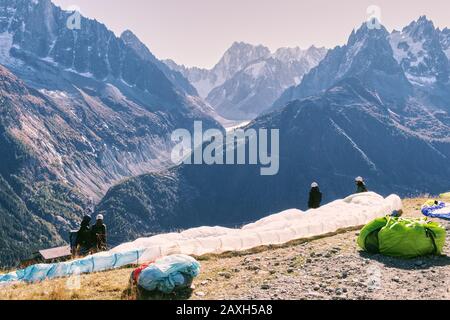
point(353, 211)
point(438, 210)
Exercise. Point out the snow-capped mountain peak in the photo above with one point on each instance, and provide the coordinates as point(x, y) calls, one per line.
point(248, 78)
point(423, 27)
point(364, 32)
point(313, 54)
point(444, 37)
point(367, 56)
point(237, 57)
point(418, 49)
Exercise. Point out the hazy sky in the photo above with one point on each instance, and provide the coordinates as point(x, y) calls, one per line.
point(197, 32)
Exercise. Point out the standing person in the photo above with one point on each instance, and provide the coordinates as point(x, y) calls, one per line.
point(360, 185)
point(83, 243)
point(315, 196)
point(99, 234)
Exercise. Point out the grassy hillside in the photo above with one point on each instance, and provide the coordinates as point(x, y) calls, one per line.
point(36, 210)
point(326, 268)
point(21, 231)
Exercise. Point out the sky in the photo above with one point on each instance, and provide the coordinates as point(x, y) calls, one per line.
point(198, 32)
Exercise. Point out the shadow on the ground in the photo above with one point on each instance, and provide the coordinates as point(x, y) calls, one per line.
point(136, 293)
point(183, 294)
point(422, 263)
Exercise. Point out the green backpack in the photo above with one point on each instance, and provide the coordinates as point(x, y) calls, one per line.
point(403, 237)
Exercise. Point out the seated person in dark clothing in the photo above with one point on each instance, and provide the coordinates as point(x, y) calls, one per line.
point(84, 237)
point(315, 197)
point(99, 234)
point(360, 185)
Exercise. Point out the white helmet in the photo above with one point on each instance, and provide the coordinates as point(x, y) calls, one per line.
point(100, 217)
point(314, 185)
point(359, 179)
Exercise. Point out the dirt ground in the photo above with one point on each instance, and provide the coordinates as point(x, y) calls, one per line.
point(327, 268)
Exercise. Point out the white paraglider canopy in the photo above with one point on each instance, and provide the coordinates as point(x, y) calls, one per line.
point(356, 210)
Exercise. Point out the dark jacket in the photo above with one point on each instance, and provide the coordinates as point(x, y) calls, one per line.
point(315, 198)
point(361, 187)
point(84, 235)
point(99, 236)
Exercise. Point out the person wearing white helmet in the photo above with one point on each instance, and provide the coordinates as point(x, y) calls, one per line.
point(360, 185)
point(315, 196)
point(99, 234)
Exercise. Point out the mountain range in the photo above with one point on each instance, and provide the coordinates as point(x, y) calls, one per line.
point(248, 79)
point(414, 59)
point(81, 110)
point(361, 111)
point(86, 119)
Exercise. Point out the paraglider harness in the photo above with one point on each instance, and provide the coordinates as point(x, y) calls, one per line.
point(428, 211)
point(371, 241)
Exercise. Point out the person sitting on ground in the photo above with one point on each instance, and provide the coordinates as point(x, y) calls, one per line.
point(315, 196)
point(99, 234)
point(360, 185)
point(84, 237)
